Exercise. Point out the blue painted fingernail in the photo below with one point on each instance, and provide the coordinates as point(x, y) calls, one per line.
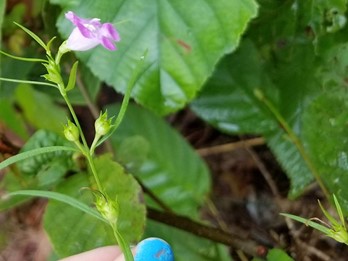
point(153, 249)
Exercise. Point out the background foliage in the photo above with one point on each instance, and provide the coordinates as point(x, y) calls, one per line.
point(272, 68)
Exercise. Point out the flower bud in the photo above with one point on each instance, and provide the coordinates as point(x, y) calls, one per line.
point(102, 124)
point(71, 132)
point(108, 208)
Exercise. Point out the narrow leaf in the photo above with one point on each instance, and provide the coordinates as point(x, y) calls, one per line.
point(33, 153)
point(72, 77)
point(62, 198)
point(339, 211)
point(308, 222)
point(328, 216)
point(33, 35)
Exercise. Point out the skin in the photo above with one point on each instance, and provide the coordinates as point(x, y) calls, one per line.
point(109, 253)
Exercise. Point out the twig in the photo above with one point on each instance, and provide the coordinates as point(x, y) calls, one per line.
point(231, 146)
point(158, 201)
point(265, 173)
point(312, 250)
point(215, 234)
point(92, 107)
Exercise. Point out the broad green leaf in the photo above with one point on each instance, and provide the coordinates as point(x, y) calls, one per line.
point(187, 246)
point(11, 118)
point(73, 232)
point(229, 103)
point(325, 121)
point(11, 182)
point(13, 69)
point(48, 168)
point(2, 13)
point(70, 230)
point(183, 48)
point(40, 110)
point(277, 254)
point(162, 160)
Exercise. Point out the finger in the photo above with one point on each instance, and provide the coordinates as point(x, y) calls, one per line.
point(121, 257)
point(107, 253)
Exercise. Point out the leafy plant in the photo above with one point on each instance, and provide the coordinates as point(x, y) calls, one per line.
point(276, 69)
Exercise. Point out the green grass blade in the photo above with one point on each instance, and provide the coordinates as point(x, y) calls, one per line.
point(34, 36)
point(62, 198)
point(328, 216)
point(126, 98)
point(32, 153)
point(308, 222)
point(339, 211)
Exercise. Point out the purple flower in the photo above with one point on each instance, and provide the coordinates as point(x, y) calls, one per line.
point(88, 33)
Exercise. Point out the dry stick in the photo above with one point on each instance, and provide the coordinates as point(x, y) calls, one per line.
point(265, 173)
point(313, 250)
point(201, 230)
point(268, 177)
point(159, 202)
point(231, 146)
point(92, 107)
point(170, 218)
point(290, 224)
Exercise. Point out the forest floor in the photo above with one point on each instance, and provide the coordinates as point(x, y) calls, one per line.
point(249, 191)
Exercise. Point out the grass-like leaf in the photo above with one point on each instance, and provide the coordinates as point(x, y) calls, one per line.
point(32, 153)
point(72, 77)
point(308, 222)
point(339, 211)
point(62, 198)
point(34, 36)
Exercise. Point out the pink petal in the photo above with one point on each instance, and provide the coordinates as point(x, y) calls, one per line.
point(77, 42)
point(108, 30)
point(107, 43)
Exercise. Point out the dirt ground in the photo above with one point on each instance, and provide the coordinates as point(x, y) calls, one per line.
point(249, 191)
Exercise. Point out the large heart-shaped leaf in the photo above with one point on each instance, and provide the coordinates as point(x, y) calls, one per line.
point(228, 101)
point(184, 42)
point(326, 120)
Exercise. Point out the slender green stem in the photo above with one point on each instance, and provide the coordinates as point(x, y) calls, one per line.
point(123, 245)
point(73, 114)
point(94, 172)
point(296, 141)
point(28, 82)
point(94, 144)
point(85, 148)
point(126, 98)
point(24, 59)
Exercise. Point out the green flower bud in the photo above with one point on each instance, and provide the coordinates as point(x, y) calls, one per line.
point(71, 132)
point(108, 208)
point(102, 124)
point(340, 235)
point(53, 74)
